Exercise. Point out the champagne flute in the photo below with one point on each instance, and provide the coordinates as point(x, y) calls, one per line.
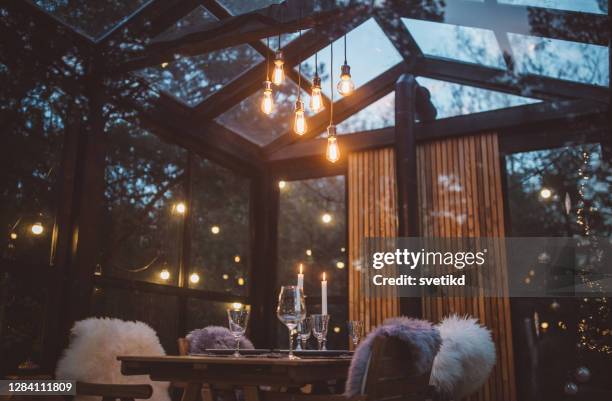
point(238, 319)
point(304, 329)
point(291, 310)
point(319, 328)
point(355, 329)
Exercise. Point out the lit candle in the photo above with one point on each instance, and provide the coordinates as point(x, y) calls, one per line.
point(301, 278)
point(324, 296)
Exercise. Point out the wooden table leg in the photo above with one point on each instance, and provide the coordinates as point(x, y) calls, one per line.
point(192, 392)
point(251, 393)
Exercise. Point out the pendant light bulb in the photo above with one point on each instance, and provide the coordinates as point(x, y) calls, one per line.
point(267, 101)
point(278, 75)
point(346, 86)
point(316, 100)
point(299, 124)
point(333, 151)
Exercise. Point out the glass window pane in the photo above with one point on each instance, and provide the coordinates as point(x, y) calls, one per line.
point(312, 231)
point(472, 45)
point(91, 18)
point(145, 179)
point(379, 114)
point(561, 59)
point(369, 53)
point(587, 6)
point(220, 229)
point(247, 119)
point(452, 99)
point(241, 7)
point(193, 79)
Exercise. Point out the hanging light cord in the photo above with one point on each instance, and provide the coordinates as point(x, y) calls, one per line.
point(299, 88)
point(268, 59)
point(316, 64)
point(331, 75)
point(344, 48)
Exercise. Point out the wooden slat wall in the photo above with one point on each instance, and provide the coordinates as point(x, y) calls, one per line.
point(460, 195)
point(372, 198)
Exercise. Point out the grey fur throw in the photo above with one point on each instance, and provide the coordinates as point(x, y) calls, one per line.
point(214, 337)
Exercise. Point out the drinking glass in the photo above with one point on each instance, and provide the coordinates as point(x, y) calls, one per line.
point(304, 329)
point(238, 320)
point(355, 329)
point(319, 328)
point(291, 310)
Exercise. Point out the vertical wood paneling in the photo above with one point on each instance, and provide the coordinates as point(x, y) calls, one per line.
point(372, 213)
point(461, 196)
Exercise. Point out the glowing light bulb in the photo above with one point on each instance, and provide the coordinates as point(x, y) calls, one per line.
point(299, 124)
point(278, 75)
point(225, 277)
point(340, 265)
point(333, 151)
point(240, 281)
point(194, 278)
point(346, 86)
point(13, 235)
point(267, 101)
point(237, 305)
point(326, 218)
point(164, 274)
point(282, 184)
point(545, 193)
point(37, 228)
point(316, 100)
point(336, 329)
point(308, 252)
point(164, 64)
point(180, 208)
point(237, 258)
point(215, 230)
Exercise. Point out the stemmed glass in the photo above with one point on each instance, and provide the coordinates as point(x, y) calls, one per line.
point(238, 320)
point(355, 329)
point(304, 329)
point(291, 310)
point(319, 328)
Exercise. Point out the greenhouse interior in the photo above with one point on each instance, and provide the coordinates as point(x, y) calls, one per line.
point(174, 165)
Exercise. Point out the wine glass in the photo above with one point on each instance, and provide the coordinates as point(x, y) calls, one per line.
point(355, 329)
point(238, 320)
point(319, 328)
point(304, 329)
point(291, 310)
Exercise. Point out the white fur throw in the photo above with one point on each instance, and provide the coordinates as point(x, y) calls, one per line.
point(465, 359)
point(94, 346)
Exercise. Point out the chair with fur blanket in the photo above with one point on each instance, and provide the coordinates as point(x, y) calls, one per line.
point(91, 360)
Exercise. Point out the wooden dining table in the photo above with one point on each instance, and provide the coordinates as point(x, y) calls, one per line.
point(248, 373)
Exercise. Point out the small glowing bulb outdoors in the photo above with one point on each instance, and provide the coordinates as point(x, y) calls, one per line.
point(326, 218)
point(343, 249)
point(336, 329)
point(316, 100)
point(267, 101)
point(278, 75)
point(37, 228)
point(13, 235)
point(282, 184)
point(180, 208)
point(237, 258)
point(527, 280)
point(545, 193)
point(532, 273)
point(340, 265)
point(225, 277)
point(215, 230)
point(164, 65)
point(164, 274)
point(308, 252)
point(240, 281)
point(333, 151)
point(346, 86)
point(299, 123)
point(194, 278)
point(237, 305)
point(544, 325)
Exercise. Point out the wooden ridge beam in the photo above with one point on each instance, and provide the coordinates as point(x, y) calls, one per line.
point(343, 108)
point(503, 120)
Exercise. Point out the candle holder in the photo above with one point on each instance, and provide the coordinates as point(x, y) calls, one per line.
point(320, 323)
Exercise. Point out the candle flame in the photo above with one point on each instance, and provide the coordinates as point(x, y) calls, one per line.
point(323, 276)
point(301, 268)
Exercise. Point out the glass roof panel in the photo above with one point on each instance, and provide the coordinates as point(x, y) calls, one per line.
point(246, 117)
point(193, 79)
point(379, 114)
point(587, 6)
point(472, 45)
point(241, 6)
point(91, 18)
point(369, 53)
point(451, 99)
point(561, 59)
